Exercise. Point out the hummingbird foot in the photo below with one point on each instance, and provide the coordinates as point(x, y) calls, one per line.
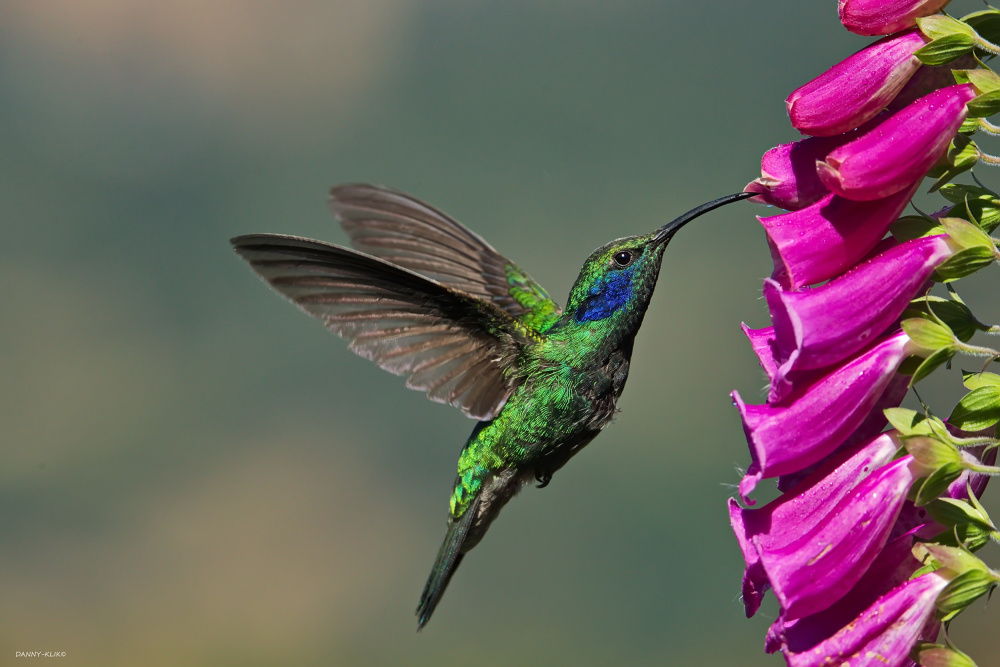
point(543, 479)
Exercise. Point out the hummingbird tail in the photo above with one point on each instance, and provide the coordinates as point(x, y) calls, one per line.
point(448, 559)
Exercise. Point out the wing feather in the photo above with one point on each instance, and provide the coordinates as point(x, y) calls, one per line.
point(457, 347)
point(411, 234)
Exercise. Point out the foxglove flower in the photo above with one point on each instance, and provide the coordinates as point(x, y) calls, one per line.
point(832, 552)
point(784, 520)
point(884, 633)
point(815, 328)
point(827, 238)
point(870, 426)
point(893, 565)
point(788, 176)
point(855, 90)
point(787, 438)
point(897, 153)
point(882, 17)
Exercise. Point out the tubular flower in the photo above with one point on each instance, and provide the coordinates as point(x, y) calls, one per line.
point(870, 427)
point(882, 17)
point(893, 565)
point(827, 238)
point(815, 328)
point(818, 418)
point(782, 521)
point(855, 90)
point(897, 153)
point(830, 554)
point(882, 634)
point(788, 177)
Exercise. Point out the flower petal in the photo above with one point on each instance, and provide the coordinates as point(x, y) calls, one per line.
point(856, 89)
point(785, 439)
point(829, 556)
point(827, 238)
point(897, 153)
point(882, 17)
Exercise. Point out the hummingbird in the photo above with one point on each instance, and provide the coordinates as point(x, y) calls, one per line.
point(423, 296)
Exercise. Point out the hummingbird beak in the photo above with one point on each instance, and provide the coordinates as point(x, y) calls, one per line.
point(667, 231)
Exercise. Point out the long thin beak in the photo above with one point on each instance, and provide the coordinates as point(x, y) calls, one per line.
point(666, 232)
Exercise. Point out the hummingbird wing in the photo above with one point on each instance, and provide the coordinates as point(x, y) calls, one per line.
point(458, 348)
point(416, 236)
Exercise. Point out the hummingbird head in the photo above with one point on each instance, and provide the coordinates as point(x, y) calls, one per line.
point(617, 280)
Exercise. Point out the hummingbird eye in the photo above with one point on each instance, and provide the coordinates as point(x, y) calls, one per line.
point(623, 258)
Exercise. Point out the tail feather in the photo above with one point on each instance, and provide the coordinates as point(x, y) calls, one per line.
point(448, 559)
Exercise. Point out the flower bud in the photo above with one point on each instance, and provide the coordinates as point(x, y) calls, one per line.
point(883, 17)
point(857, 89)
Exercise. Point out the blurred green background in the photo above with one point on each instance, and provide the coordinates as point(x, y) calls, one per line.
point(192, 472)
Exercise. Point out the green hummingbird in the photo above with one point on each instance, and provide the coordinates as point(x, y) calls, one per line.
point(425, 297)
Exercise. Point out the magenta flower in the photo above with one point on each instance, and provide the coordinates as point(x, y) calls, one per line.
point(884, 633)
point(815, 328)
point(855, 90)
point(788, 176)
point(825, 239)
point(897, 153)
point(870, 427)
point(831, 553)
point(893, 565)
point(818, 418)
point(783, 520)
point(882, 17)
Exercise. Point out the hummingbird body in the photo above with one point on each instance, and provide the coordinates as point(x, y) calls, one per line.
point(436, 302)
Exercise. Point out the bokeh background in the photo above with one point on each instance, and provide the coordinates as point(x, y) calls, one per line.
point(192, 472)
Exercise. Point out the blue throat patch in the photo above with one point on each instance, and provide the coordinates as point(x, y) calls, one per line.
point(606, 297)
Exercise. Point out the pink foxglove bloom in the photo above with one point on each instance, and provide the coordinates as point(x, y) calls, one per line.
point(831, 553)
point(884, 633)
point(784, 520)
point(855, 90)
point(870, 426)
point(827, 238)
point(882, 17)
point(815, 328)
point(897, 153)
point(894, 565)
point(788, 177)
point(784, 439)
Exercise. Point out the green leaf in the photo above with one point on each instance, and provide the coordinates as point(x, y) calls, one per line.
point(955, 314)
point(974, 380)
point(930, 364)
point(945, 49)
point(914, 227)
point(969, 125)
point(936, 655)
point(962, 591)
point(985, 80)
point(964, 263)
point(966, 234)
point(928, 334)
point(957, 193)
point(938, 482)
point(986, 23)
point(967, 535)
point(985, 105)
point(951, 512)
point(961, 156)
point(978, 409)
point(940, 25)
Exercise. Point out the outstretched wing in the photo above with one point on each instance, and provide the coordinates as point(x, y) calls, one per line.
point(458, 348)
point(411, 234)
